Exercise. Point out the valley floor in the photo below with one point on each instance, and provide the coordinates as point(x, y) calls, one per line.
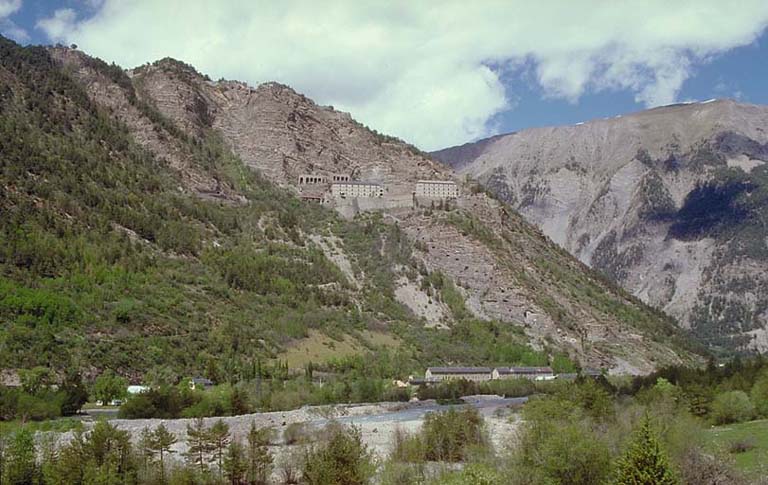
point(377, 422)
point(752, 436)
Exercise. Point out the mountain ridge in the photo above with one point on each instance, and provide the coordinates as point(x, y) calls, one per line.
point(212, 258)
point(683, 183)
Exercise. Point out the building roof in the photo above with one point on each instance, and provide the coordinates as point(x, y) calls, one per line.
point(418, 382)
point(459, 370)
point(568, 376)
point(451, 182)
point(202, 380)
point(356, 183)
point(524, 370)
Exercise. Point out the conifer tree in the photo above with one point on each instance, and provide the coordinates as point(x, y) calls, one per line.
point(234, 464)
point(218, 437)
point(146, 453)
point(259, 459)
point(20, 463)
point(161, 441)
point(645, 462)
point(199, 444)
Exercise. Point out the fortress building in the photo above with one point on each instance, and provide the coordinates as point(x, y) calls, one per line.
point(345, 190)
point(439, 189)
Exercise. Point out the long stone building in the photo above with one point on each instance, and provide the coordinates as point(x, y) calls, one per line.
point(467, 373)
point(534, 373)
point(345, 190)
point(477, 374)
point(443, 189)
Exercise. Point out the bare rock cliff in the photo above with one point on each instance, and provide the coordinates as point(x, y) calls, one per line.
point(669, 203)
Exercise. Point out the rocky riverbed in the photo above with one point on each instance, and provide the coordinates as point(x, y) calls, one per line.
point(377, 422)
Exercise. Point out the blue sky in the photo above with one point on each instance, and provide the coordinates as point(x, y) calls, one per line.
point(436, 74)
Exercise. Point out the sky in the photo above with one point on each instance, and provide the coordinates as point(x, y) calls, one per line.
point(436, 73)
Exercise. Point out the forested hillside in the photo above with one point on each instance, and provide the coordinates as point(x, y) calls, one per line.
point(133, 244)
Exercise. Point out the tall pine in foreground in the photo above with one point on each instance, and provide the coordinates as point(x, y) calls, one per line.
point(645, 462)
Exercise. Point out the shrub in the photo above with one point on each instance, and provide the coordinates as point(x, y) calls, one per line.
point(109, 386)
point(564, 453)
point(407, 447)
point(297, 434)
point(741, 446)
point(701, 468)
point(474, 474)
point(759, 394)
point(447, 436)
point(343, 459)
point(732, 407)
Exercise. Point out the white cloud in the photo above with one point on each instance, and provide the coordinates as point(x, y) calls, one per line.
point(59, 26)
point(419, 69)
point(7, 26)
point(7, 7)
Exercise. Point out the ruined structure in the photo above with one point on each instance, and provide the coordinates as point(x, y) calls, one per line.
point(313, 179)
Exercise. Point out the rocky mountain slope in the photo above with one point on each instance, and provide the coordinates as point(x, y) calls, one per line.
point(670, 203)
point(150, 223)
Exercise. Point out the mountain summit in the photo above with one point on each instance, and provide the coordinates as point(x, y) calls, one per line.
point(670, 203)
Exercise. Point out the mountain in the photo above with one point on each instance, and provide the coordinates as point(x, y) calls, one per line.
point(669, 203)
point(152, 221)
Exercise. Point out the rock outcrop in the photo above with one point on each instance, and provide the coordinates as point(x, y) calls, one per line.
point(669, 203)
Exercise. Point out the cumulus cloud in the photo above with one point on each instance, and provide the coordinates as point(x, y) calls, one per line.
point(7, 26)
point(420, 70)
point(7, 7)
point(60, 25)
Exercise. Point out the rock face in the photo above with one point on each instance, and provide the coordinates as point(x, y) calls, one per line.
point(504, 269)
point(669, 203)
point(281, 132)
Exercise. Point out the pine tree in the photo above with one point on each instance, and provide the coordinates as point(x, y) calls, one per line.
point(146, 453)
point(259, 458)
point(234, 463)
point(161, 441)
point(218, 437)
point(645, 462)
point(199, 445)
point(20, 464)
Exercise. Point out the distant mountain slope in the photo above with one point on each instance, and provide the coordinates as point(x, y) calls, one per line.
point(134, 236)
point(670, 203)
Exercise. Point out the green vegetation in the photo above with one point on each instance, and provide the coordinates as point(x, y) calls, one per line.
point(109, 261)
point(732, 407)
point(341, 459)
point(747, 444)
point(645, 461)
point(38, 399)
point(450, 436)
point(581, 432)
point(558, 284)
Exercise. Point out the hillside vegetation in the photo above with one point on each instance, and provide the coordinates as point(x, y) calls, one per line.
point(114, 255)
